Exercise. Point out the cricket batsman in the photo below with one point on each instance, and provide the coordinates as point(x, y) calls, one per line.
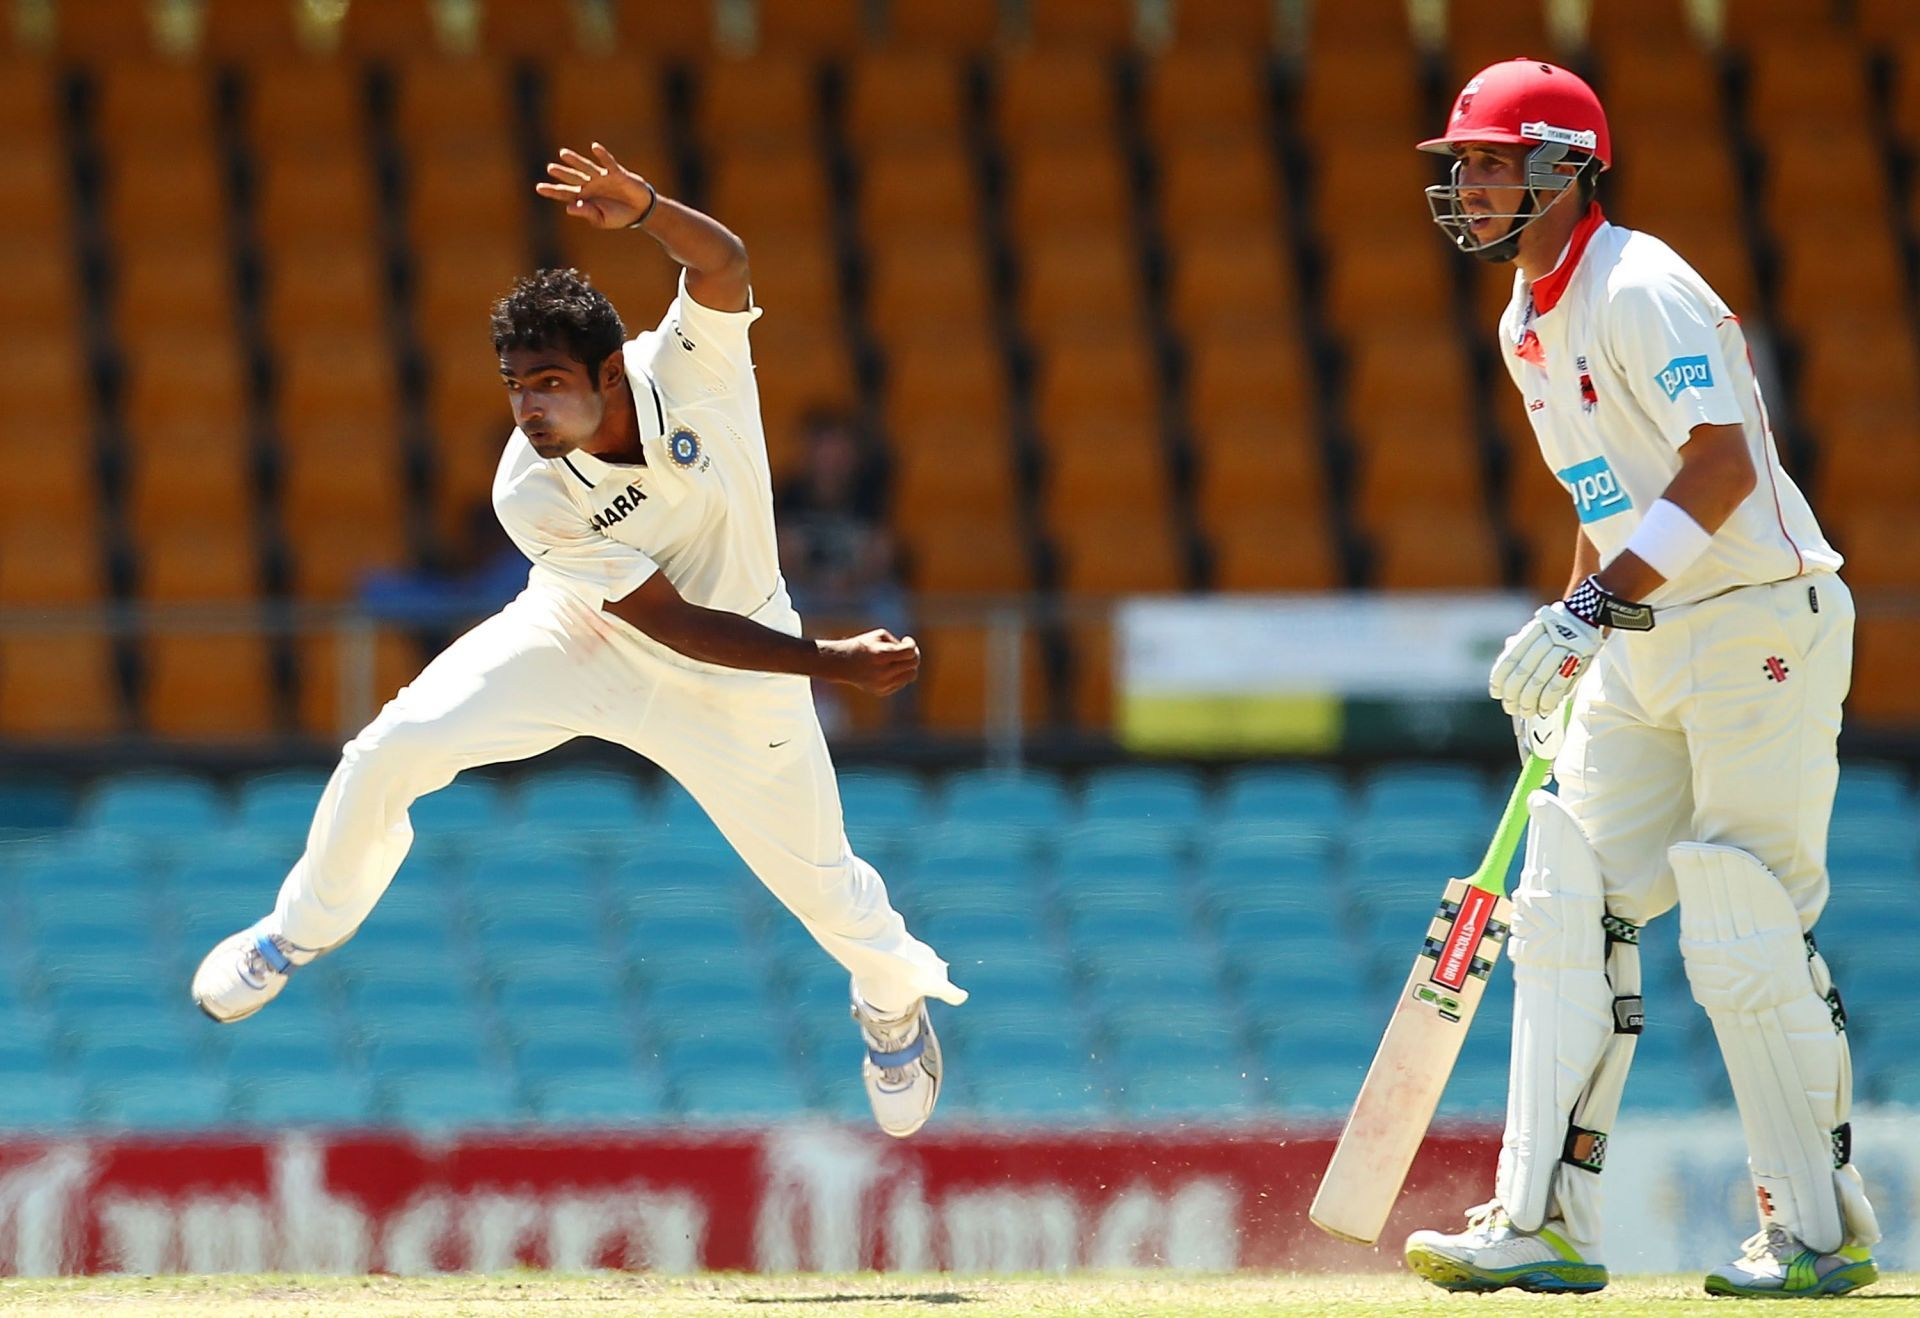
point(1706, 643)
point(655, 617)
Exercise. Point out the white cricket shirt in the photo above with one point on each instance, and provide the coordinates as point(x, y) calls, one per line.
point(1619, 353)
point(700, 509)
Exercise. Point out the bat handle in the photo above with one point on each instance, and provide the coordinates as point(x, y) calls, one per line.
point(1492, 874)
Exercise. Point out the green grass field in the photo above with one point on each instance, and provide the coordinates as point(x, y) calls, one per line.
point(865, 1294)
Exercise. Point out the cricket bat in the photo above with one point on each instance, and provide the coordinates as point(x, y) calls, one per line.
point(1422, 1043)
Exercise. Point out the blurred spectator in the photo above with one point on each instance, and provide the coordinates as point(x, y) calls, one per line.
point(475, 575)
point(834, 545)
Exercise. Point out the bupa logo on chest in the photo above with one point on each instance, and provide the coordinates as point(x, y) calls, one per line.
point(1596, 491)
point(1684, 373)
point(623, 504)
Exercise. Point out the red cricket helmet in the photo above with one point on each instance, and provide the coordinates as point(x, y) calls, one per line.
point(1521, 102)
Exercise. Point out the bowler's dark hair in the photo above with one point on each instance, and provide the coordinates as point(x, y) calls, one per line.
point(559, 309)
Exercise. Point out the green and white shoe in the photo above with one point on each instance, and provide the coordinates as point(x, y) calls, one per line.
point(1493, 1254)
point(1777, 1266)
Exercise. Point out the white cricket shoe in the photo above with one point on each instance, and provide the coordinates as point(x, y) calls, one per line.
point(244, 973)
point(902, 1067)
point(1776, 1265)
point(1493, 1254)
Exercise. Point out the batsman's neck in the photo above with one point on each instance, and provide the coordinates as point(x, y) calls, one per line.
point(1544, 242)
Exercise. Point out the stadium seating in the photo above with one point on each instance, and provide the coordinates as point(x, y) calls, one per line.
point(1140, 944)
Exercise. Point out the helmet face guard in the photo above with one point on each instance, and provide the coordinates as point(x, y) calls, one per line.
point(1541, 176)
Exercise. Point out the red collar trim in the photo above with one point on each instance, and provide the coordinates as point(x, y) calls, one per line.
point(1549, 288)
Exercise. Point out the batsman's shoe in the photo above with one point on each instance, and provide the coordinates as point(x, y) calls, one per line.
point(244, 973)
point(1493, 1254)
point(902, 1067)
point(1776, 1266)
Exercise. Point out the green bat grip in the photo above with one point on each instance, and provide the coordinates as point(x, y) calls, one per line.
point(1492, 874)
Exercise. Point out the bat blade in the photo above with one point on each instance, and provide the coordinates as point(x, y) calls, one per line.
point(1411, 1068)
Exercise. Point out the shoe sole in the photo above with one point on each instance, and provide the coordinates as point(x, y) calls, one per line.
point(1840, 1281)
point(1451, 1274)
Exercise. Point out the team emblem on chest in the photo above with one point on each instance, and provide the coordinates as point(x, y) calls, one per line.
point(683, 446)
point(1588, 398)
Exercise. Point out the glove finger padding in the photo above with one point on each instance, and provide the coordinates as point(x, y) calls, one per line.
point(1536, 674)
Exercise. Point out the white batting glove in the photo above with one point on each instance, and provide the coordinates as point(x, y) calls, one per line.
point(1541, 662)
point(1542, 736)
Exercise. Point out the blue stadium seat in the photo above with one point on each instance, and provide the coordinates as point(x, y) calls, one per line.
point(963, 855)
point(140, 1101)
point(1400, 796)
point(975, 933)
point(431, 1050)
point(474, 1100)
point(545, 1053)
point(568, 802)
point(994, 798)
point(680, 818)
point(564, 989)
point(715, 929)
point(1193, 1096)
point(1135, 794)
point(23, 1059)
point(442, 1004)
point(713, 989)
point(882, 799)
point(1125, 982)
point(1265, 860)
point(599, 1099)
point(341, 1099)
point(1089, 874)
point(738, 1094)
point(469, 808)
point(1143, 923)
point(32, 807)
point(1312, 797)
point(815, 982)
point(279, 806)
point(1008, 1050)
point(154, 804)
point(561, 935)
point(48, 1102)
point(1056, 1094)
point(96, 932)
point(660, 871)
point(1314, 1083)
point(1872, 790)
point(254, 1051)
point(55, 882)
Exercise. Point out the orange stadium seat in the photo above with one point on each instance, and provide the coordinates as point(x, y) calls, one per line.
point(1887, 22)
point(955, 681)
point(1076, 285)
point(1248, 378)
point(188, 474)
point(393, 29)
point(460, 104)
point(1883, 686)
point(958, 553)
point(941, 25)
point(330, 563)
point(816, 27)
point(58, 686)
point(326, 287)
point(1404, 467)
point(650, 28)
point(163, 200)
point(1101, 461)
point(250, 31)
point(1068, 187)
point(801, 367)
point(1239, 25)
point(1760, 23)
point(1226, 285)
point(332, 477)
point(308, 196)
point(208, 687)
point(1813, 176)
point(638, 278)
point(940, 466)
point(336, 378)
point(925, 192)
point(197, 562)
point(29, 106)
point(769, 104)
point(1113, 374)
point(1859, 375)
point(799, 279)
point(1666, 88)
point(927, 288)
point(1635, 29)
point(619, 100)
point(1258, 551)
point(1881, 542)
point(184, 379)
point(481, 190)
point(469, 416)
point(1804, 82)
point(457, 282)
point(1547, 542)
point(1410, 281)
point(1378, 25)
point(1865, 293)
point(1254, 464)
point(1355, 92)
point(154, 108)
point(30, 575)
point(34, 174)
point(103, 30)
point(1098, 25)
point(162, 293)
point(1434, 548)
point(962, 381)
point(1117, 550)
point(1480, 32)
point(1090, 647)
point(508, 27)
point(1054, 96)
point(47, 459)
point(322, 708)
point(40, 296)
point(1206, 96)
point(757, 191)
point(1219, 188)
point(308, 108)
point(903, 101)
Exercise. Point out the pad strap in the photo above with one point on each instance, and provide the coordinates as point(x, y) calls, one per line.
point(900, 1057)
point(1585, 1148)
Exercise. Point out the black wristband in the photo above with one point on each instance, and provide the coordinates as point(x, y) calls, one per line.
point(1591, 603)
point(653, 199)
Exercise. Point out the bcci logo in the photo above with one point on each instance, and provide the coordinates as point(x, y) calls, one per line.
point(1595, 489)
point(1684, 373)
point(683, 446)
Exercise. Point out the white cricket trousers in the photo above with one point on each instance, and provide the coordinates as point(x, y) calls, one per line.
point(1716, 726)
point(549, 668)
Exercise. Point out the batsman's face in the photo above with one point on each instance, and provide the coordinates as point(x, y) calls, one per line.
point(1491, 177)
point(553, 399)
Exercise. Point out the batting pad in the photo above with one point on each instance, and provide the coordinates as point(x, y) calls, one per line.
point(1752, 969)
point(1562, 1005)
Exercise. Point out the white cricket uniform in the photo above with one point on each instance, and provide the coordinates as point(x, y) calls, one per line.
point(1719, 724)
point(553, 665)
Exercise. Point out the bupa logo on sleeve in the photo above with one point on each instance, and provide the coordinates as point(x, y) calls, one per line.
point(1685, 373)
point(1595, 489)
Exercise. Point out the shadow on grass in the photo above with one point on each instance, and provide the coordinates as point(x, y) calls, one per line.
point(905, 1297)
